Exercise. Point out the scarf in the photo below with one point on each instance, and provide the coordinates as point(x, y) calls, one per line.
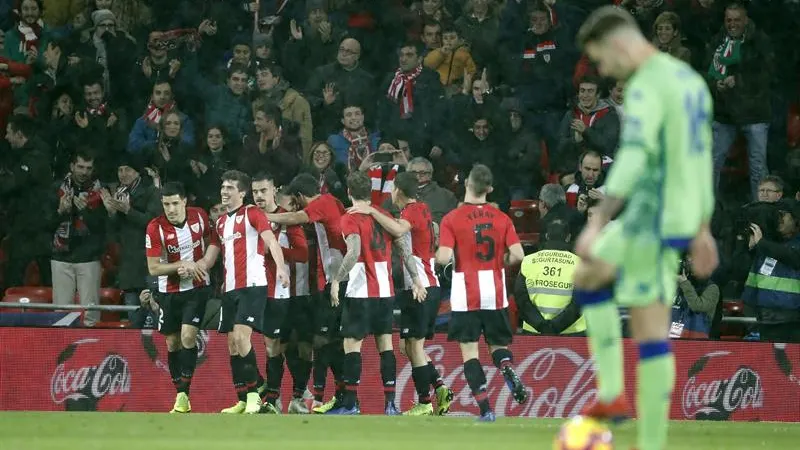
point(29, 35)
point(124, 192)
point(403, 84)
point(382, 182)
point(360, 147)
point(152, 115)
point(74, 225)
point(275, 95)
point(727, 54)
point(99, 111)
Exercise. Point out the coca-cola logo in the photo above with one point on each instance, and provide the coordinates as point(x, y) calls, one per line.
point(718, 398)
point(111, 376)
point(549, 397)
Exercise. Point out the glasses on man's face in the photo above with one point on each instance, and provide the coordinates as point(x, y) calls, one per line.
point(419, 172)
point(107, 26)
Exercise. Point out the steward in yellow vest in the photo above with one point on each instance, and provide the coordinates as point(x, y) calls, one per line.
point(543, 291)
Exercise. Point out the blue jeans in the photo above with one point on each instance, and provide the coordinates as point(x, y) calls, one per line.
point(756, 136)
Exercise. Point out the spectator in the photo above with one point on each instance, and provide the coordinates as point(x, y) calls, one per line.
point(312, 43)
point(25, 181)
point(331, 173)
point(275, 90)
point(694, 307)
point(12, 75)
point(588, 179)
point(702, 19)
point(771, 286)
point(354, 142)
point(102, 125)
point(209, 166)
point(770, 189)
point(159, 67)
point(440, 200)
point(80, 237)
point(134, 203)
point(478, 26)
point(616, 96)
point(28, 39)
point(146, 129)
point(522, 166)
point(667, 36)
point(645, 11)
point(227, 104)
point(337, 84)
point(591, 124)
point(431, 37)
point(553, 207)
point(168, 158)
point(452, 61)
point(270, 147)
point(740, 73)
point(54, 71)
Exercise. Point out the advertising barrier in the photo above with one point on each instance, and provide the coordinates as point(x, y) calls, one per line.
point(126, 370)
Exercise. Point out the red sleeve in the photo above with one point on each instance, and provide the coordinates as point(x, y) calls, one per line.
point(152, 240)
point(349, 225)
point(314, 210)
point(16, 69)
point(216, 239)
point(258, 220)
point(5, 83)
point(299, 245)
point(511, 233)
point(447, 237)
point(209, 234)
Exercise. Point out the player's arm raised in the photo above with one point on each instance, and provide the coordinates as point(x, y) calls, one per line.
point(395, 227)
point(349, 261)
point(410, 264)
point(289, 218)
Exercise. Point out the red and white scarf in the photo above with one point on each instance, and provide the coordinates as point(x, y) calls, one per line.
point(382, 183)
point(360, 147)
point(29, 35)
point(99, 111)
point(403, 84)
point(74, 224)
point(152, 115)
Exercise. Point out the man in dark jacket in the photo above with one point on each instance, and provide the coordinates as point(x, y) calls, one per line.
point(131, 207)
point(79, 235)
point(24, 182)
point(740, 71)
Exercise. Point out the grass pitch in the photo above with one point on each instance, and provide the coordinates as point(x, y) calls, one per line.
point(128, 431)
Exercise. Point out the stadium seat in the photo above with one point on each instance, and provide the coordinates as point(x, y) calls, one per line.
point(27, 294)
point(525, 216)
point(732, 331)
point(32, 275)
point(109, 296)
point(793, 126)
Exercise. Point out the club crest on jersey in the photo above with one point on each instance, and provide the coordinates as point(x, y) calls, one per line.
point(239, 219)
point(195, 227)
point(546, 57)
point(170, 236)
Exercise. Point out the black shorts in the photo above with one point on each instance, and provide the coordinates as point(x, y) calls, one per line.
point(418, 320)
point(276, 315)
point(181, 308)
point(328, 319)
point(365, 316)
point(243, 306)
point(467, 326)
point(300, 319)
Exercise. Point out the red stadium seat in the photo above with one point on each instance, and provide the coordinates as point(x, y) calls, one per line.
point(32, 275)
point(525, 215)
point(27, 295)
point(110, 296)
point(732, 331)
point(112, 324)
point(793, 126)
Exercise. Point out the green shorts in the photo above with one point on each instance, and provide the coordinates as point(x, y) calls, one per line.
point(646, 269)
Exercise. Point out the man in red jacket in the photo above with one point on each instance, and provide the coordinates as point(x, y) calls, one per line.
point(11, 74)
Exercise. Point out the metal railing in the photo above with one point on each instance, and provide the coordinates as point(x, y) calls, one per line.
point(127, 308)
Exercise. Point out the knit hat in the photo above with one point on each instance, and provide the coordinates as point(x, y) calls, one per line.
point(315, 4)
point(101, 15)
point(131, 160)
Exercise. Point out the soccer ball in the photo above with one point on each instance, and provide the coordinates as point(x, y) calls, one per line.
point(583, 433)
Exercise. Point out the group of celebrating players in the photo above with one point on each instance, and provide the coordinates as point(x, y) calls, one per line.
point(266, 288)
point(658, 206)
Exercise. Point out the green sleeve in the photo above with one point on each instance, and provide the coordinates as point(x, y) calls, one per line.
point(639, 141)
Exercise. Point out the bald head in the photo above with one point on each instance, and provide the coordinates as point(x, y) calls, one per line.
point(349, 53)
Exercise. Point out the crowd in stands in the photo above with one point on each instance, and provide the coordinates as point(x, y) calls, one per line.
point(103, 101)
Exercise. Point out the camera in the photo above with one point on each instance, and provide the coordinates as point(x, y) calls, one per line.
point(764, 214)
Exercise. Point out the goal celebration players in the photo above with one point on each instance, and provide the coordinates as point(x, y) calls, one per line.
point(174, 243)
point(284, 313)
point(245, 236)
point(482, 240)
point(324, 211)
point(417, 319)
point(662, 175)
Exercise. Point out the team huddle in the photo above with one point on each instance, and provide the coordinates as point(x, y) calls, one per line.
point(267, 288)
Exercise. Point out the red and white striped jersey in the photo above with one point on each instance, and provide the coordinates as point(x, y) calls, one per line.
point(479, 236)
point(294, 244)
point(325, 212)
point(574, 190)
point(173, 243)
point(422, 242)
point(371, 277)
point(242, 248)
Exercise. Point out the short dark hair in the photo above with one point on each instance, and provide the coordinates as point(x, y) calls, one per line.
point(592, 153)
point(272, 112)
point(238, 68)
point(602, 22)
point(481, 178)
point(591, 79)
point(406, 182)
point(83, 153)
point(449, 27)
point(352, 105)
point(557, 231)
point(359, 186)
point(415, 45)
point(241, 179)
point(24, 124)
point(304, 184)
point(263, 176)
point(173, 188)
point(272, 68)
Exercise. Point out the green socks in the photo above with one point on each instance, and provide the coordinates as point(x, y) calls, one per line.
point(605, 341)
point(656, 377)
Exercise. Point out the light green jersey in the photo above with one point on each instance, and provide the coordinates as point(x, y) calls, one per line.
point(663, 167)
